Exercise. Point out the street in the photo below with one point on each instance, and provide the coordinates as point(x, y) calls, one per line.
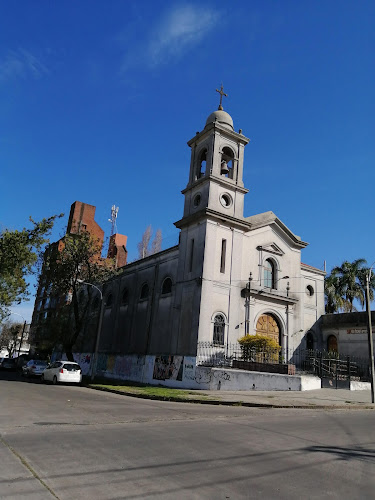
point(73, 442)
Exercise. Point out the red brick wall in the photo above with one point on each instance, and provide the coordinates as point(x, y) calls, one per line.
point(82, 218)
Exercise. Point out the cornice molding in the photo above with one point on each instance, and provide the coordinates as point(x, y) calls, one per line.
point(215, 126)
point(208, 213)
point(229, 184)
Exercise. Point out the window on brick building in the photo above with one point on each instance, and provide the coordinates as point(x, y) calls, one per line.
point(166, 286)
point(145, 290)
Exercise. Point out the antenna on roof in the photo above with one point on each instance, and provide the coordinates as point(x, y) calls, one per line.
point(112, 220)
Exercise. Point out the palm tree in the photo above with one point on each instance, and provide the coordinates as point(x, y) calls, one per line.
point(334, 300)
point(351, 282)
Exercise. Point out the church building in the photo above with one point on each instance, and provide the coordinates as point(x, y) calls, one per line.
point(230, 275)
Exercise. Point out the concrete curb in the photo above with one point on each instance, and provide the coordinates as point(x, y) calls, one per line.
point(217, 402)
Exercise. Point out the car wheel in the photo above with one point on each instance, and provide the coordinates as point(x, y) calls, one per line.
point(42, 378)
point(54, 381)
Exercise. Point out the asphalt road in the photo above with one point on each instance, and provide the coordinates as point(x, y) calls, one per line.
point(76, 443)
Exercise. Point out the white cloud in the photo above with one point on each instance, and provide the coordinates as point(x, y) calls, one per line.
point(176, 32)
point(179, 31)
point(21, 64)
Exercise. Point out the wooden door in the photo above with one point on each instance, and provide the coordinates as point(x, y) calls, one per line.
point(268, 327)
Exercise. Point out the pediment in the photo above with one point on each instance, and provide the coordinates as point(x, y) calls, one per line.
point(271, 248)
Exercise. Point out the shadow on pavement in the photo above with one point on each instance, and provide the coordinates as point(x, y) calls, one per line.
point(345, 453)
point(16, 376)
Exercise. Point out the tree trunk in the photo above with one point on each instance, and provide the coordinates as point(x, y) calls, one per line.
point(68, 352)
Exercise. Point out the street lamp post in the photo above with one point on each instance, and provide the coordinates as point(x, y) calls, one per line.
point(369, 333)
point(97, 340)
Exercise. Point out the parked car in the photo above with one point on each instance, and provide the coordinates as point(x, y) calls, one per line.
point(9, 364)
point(63, 371)
point(35, 367)
point(22, 360)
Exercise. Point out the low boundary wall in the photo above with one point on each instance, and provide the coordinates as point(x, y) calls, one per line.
point(182, 372)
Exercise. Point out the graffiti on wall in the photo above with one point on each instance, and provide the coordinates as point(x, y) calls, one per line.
point(129, 367)
point(168, 368)
point(189, 368)
point(101, 365)
point(84, 361)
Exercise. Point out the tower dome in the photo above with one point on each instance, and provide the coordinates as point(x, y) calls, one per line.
point(221, 117)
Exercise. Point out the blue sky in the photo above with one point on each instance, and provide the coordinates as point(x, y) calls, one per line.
point(98, 100)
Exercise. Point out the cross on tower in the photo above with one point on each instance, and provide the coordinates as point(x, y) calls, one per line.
point(221, 96)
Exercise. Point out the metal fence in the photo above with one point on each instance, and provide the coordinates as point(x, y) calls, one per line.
point(320, 363)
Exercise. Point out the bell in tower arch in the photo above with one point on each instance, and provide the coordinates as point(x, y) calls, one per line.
point(224, 167)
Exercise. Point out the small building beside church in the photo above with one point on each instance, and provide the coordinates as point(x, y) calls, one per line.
point(347, 333)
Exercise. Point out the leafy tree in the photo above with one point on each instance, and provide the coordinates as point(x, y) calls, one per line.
point(143, 245)
point(156, 243)
point(66, 265)
point(346, 284)
point(18, 254)
point(10, 337)
point(146, 247)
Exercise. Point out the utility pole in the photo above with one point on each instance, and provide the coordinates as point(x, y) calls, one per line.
point(369, 333)
point(247, 317)
point(22, 335)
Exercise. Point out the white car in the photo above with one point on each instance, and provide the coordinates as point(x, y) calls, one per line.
point(62, 371)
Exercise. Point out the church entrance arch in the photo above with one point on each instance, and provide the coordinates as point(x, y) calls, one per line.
point(268, 326)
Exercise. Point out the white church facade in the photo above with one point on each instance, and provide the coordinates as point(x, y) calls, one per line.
point(230, 275)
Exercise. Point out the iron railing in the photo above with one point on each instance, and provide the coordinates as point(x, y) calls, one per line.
point(320, 363)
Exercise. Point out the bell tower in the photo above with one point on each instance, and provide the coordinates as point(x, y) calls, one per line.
point(212, 226)
point(216, 168)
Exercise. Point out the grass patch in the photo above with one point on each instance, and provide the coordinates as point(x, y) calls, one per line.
point(153, 391)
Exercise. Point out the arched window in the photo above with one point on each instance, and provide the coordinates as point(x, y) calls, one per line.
point(95, 303)
point(227, 163)
point(125, 297)
point(202, 163)
point(144, 291)
point(219, 329)
point(269, 274)
point(332, 344)
point(166, 286)
point(309, 341)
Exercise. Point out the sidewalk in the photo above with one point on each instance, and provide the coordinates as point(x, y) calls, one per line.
point(315, 399)
point(319, 398)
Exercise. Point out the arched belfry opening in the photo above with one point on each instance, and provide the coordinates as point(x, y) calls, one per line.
point(227, 163)
point(202, 164)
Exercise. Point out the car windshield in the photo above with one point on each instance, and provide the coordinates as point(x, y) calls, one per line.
point(41, 363)
point(71, 367)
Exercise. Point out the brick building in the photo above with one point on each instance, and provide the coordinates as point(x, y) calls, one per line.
point(81, 219)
